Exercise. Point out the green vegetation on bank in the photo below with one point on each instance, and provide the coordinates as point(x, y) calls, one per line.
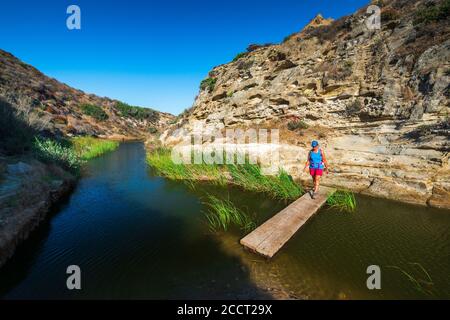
point(246, 176)
point(21, 134)
point(137, 113)
point(239, 55)
point(161, 160)
point(88, 147)
point(209, 83)
point(94, 111)
point(250, 177)
point(62, 154)
point(342, 200)
point(223, 214)
point(71, 154)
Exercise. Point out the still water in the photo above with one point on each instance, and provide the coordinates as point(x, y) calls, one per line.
point(136, 235)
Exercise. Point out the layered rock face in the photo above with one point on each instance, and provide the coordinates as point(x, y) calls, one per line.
point(376, 99)
point(59, 108)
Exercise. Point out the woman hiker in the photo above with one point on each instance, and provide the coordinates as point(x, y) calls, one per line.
point(316, 163)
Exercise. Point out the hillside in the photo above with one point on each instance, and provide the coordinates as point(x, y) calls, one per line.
point(62, 110)
point(378, 100)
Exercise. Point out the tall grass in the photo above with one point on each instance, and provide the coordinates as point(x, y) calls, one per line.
point(247, 176)
point(342, 200)
point(71, 154)
point(88, 147)
point(161, 160)
point(57, 152)
point(223, 214)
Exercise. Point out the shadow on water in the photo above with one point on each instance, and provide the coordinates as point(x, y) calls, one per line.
point(17, 268)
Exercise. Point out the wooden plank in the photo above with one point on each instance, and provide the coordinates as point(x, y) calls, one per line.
point(268, 238)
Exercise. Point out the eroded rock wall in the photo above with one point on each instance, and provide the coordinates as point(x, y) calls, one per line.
point(378, 100)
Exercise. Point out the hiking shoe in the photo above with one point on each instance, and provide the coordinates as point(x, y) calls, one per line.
point(312, 195)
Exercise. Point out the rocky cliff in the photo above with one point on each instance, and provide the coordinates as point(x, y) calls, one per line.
point(377, 99)
point(62, 110)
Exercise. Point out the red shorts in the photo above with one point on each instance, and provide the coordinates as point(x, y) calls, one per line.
point(315, 172)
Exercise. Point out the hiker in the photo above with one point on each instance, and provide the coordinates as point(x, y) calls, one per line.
point(316, 163)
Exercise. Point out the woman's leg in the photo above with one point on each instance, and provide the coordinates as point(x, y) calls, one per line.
point(316, 183)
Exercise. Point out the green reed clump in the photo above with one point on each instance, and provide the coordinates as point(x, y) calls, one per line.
point(57, 152)
point(89, 147)
point(161, 160)
point(223, 214)
point(342, 200)
point(247, 176)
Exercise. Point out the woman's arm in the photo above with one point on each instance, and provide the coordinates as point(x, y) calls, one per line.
point(324, 159)
point(306, 164)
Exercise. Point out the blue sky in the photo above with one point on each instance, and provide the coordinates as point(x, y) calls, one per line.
point(149, 53)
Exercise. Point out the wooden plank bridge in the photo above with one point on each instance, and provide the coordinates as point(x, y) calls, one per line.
point(268, 238)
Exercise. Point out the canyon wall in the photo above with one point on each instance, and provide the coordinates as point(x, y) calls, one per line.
point(376, 99)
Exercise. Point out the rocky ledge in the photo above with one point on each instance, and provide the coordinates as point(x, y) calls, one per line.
point(28, 190)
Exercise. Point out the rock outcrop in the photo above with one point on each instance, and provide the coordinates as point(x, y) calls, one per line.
point(28, 188)
point(377, 99)
point(59, 108)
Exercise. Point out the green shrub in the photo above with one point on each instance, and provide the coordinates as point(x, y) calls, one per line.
point(174, 121)
point(342, 200)
point(239, 55)
point(137, 113)
point(297, 124)
point(94, 111)
point(208, 83)
point(57, 152)
point(432, 13)
point(153, 130)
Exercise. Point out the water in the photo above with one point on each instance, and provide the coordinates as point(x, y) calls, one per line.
point(136, 235)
